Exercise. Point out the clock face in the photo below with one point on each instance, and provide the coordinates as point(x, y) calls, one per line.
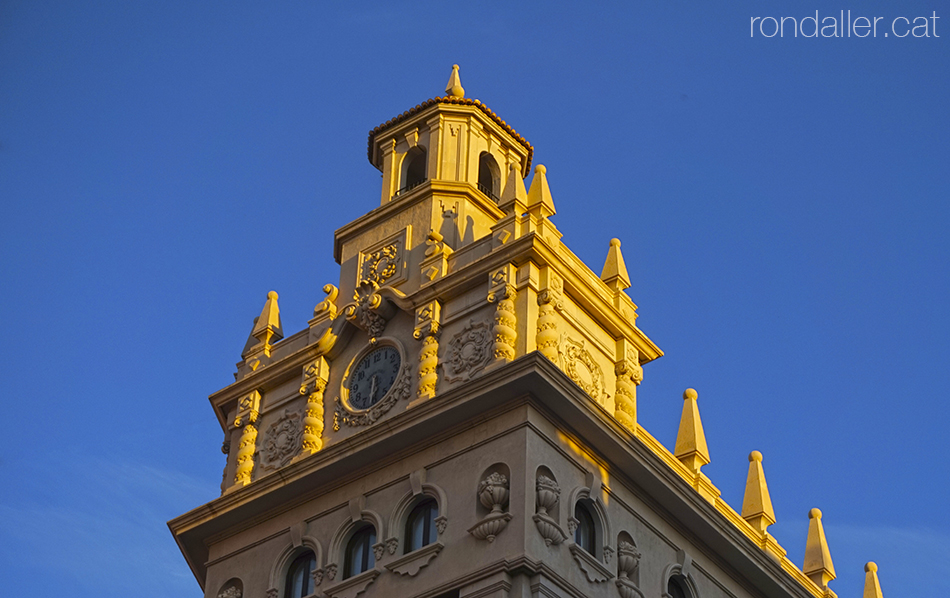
point(372, 377)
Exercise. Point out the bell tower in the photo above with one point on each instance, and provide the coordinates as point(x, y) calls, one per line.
point(459, 417)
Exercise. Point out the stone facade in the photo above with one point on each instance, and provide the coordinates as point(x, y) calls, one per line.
point(468, 357)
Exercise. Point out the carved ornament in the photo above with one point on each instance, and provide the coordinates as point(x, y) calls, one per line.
point(468, 352)
point(282, 440)
point(579, 365)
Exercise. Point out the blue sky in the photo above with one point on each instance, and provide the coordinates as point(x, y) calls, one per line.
point(782, 202)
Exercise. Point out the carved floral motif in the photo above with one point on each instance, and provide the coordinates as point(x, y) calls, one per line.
point(380, 265)
point(468, 352)
point(579, 364)
point(281, 440)
point(230, 592)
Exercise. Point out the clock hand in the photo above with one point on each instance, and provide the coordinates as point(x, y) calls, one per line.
point(374, 386)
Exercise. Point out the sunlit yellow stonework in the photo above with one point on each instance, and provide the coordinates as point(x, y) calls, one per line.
point(461, 270)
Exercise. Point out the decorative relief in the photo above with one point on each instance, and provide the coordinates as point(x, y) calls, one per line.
point(628, 559)
point(353, 586)
point(493, 494)
point(317, 576)
point(411, 563)
point(281, 440)
point(331, 571)
point(435, 263)
point(468, 352)
point(315, 377)
point(384, 262)
point(365, 312)
point(547, 496)
point(248, 413)
point(549, 300)
point(380, 265)
point(440, 522)
point(230, 592)
point(629, 375)
point(593, 569)
point(326, 309)
point(392, 545)
point(272, 593)
point(502, 292)
point(379, 549)
point(428, 330)
point(400, 390)
point(579, 365)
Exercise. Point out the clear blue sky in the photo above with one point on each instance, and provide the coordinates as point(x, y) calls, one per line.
point(782, 202)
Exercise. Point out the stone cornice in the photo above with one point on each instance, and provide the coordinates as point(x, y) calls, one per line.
point(533, 379)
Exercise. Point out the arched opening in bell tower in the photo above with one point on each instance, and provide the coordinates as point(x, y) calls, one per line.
point(489, 176)
point(413, 169)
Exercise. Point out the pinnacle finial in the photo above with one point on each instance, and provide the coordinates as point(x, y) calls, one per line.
point(872, 586)
point(817, 565)
point(615, 271)
point(540, 202)
point(514, 197)
point(267, 328)
point(756, 503)
point(690, 445)
point(454, 87)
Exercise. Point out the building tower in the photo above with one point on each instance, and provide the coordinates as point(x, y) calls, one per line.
point(459, 419)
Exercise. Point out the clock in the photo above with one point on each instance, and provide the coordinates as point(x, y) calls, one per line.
point(372, 377)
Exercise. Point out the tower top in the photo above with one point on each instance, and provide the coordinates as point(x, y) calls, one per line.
point(416, 122)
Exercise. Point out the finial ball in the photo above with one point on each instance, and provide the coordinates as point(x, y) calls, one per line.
point(690, 394)
point(870, 567)
point(814, 514)
point(455, 67)
point(615, 242)
point(272, 296)
point(540, 168)
point(755, 456)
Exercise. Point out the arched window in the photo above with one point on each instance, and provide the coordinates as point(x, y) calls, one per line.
point(359, 552)
point(299, 583)
point(677, 589)
point(489, 177)
point(585, 535)
point(414, 169)
point(420, 525)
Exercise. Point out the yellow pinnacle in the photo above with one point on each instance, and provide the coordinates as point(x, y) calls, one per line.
point(454, 87)
point(540, 202)
point(615, 271)
point(872, 587)
point(691, 440)
point(266, 329)
point(756, 504)
point(514, 198)
point(818, 565)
